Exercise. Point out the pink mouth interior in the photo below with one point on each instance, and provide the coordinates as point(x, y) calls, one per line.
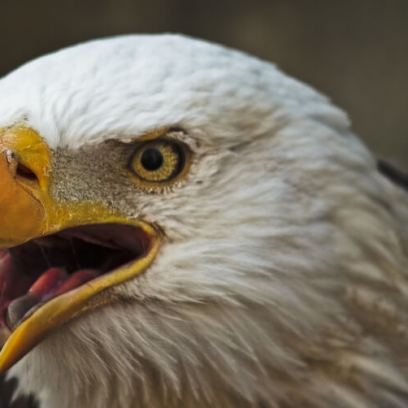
point(40, 270)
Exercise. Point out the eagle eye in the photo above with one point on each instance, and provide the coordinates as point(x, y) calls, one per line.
point(157, 161)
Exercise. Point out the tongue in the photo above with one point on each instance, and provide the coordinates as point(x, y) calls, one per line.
point(76, 280)
point(52, 283)
point(47, 283)
point(39, 291)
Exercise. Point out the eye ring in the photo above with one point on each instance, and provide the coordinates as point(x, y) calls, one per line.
point(158, 161)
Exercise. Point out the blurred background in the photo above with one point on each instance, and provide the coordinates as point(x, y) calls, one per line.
point(355, 51)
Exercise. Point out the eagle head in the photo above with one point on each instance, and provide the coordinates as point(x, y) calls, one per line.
point(183, 225)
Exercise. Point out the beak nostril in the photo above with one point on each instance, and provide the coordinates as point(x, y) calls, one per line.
point(26, 173)
point(18, 169)
point(10, 156)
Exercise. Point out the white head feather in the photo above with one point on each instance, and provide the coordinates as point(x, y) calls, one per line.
point(282, 281)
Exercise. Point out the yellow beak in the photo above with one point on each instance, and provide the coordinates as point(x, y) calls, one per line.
point(28, 211)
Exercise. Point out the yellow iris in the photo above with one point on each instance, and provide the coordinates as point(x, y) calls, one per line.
point(157, 161)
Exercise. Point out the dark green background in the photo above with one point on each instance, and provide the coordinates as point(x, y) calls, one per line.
point(356, 51)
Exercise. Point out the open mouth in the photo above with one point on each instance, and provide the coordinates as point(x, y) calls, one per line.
point(40, 270)
point(59, 258)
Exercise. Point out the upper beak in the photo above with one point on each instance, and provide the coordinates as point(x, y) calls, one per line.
point(22, 212)
point(28, 211)
point(27, 208)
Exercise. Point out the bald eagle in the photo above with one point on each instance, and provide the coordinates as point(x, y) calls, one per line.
point(183, 225)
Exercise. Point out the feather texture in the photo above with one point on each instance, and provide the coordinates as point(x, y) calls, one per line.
point(7, 398)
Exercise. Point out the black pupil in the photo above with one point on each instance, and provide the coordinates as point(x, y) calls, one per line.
point(152, 159)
